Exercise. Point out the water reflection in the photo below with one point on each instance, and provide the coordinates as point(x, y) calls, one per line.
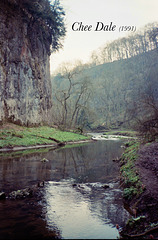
point(88, 163)
point(23, 220)
point(84, 211)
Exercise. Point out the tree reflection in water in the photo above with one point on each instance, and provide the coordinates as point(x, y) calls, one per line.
point(86, 165)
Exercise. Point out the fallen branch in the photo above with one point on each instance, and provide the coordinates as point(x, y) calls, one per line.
point(141, 234)
point(49, 138)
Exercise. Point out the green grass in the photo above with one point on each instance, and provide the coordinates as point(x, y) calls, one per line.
point(35, 136)
point(129, 173)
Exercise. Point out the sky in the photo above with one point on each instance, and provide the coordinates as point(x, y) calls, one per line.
point(79, 45)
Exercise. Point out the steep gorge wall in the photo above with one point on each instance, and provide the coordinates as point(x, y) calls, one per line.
point(25, 87)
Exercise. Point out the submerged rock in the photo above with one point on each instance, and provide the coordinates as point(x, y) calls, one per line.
point(116, 159)
point(40, 184)
point(74, 185)
point(2, 195)
point(21, 193)
point(44, 160)
point(105, 186)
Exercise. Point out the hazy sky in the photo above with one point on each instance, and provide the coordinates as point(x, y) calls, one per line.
point(78, 45)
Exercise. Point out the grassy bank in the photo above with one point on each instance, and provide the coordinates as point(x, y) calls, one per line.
point(12, 135)
point(138, 195)
point(129, 174)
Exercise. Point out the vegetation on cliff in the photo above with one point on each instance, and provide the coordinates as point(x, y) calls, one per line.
point(49, 17)
point(29, 31)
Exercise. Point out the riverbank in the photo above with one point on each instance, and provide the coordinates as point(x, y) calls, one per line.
point(15, 138)
point(124, 133)
point(139, 179)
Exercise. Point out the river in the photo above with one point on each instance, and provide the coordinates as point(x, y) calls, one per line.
point(80, 199)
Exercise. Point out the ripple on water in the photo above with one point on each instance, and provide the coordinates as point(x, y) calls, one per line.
point(82, 216)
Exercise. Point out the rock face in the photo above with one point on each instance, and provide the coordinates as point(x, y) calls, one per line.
point(25, 87)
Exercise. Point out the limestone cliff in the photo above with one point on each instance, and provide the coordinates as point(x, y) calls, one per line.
point(25, 87)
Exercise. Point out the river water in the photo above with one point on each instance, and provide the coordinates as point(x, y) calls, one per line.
point(74, 202)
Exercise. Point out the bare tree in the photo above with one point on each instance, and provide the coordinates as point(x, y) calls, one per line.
point(72, 95)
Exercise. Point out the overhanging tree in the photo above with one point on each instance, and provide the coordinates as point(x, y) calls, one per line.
point(48, 16)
